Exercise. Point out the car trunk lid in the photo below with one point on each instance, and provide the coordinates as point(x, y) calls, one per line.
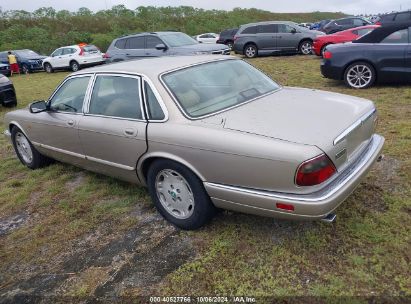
point(308, 117)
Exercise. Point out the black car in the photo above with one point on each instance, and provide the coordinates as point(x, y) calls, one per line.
point(398, 17)
point(7, 92)
point(383, 55)
point(344, 24)
point(28, 60)
point(227, 37)
point(5, 69)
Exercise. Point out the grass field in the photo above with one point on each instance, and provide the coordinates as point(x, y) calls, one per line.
point(67, 232)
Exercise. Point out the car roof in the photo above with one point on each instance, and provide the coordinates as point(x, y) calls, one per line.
point(267, 22)
point(380, 33)
point(152, 67)
point(147, 33)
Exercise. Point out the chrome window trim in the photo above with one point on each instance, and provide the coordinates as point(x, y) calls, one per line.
point(137, 77)
point(157, 95)
point(49, 100)
point(185, 114)
point(354, 126)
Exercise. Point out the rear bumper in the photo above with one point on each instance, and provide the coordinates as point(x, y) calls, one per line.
point(317, 47)
point(306, 207)
point(91, 60)
point(330, 71)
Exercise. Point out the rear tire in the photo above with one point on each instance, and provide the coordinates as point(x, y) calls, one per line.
point(230, 45)
point(74, 66)
point(27, 154)
point(359, 75)
point(305, 47)
point(179, 195)
point(250, 51)
point(25, 69)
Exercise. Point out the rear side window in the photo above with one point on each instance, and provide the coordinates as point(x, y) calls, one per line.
point(268, 28)
point(250, 30)
point(344, 22)
point(403, 16)
point(70, 96)
point(387, 18)
point(135, 43)
point(154, 109)
point(120, 44)
point(116, 96)
point(359, 22)
point(397, 37)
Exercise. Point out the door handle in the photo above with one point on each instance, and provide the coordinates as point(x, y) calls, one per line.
point(130, 132)
point(70, 122)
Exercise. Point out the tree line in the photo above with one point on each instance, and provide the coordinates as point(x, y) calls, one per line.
point(45, 29)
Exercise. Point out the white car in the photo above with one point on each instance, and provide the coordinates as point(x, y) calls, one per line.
point(73, 57)
point(207, 38)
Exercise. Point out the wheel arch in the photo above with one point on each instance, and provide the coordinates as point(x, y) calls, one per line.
point(13, 124)
point(146, 161)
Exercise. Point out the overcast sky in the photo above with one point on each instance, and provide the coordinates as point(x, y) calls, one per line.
point(346, 6)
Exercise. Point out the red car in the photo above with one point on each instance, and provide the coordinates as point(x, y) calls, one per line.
point(340, 37)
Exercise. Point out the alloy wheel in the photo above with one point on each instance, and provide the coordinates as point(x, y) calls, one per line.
point(306, 48)
point(359, 76)
point(174, 193)
point(250, 51)
point(24, 148)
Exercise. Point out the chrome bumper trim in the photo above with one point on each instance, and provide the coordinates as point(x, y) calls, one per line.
point(370, 154)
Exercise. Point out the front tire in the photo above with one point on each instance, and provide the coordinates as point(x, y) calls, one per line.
point(74, 66)
point(25, 69)
point(27, 154)
point(359, 75)
point(48, 68)
point(179, 195)
point(250, 51)
point(306, 47)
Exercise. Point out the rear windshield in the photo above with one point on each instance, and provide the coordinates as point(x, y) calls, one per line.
point(90, 48)
point(214, 86)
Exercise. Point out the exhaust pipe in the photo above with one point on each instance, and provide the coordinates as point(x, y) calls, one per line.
point(329, 218)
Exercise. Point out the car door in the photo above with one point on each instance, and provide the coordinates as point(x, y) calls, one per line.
point(66, 57)
point(267, 36)
point(56, 130)
point(408, 56)
point(113, 129)
point(288, 38)
point(135, 47)
point(56, 58)
point(391, 54)
point(150, 46)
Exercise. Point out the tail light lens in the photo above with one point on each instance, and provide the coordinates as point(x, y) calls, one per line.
point(235, 37)
point(315, 171)
point(327, 55)
point(378, 23)
point(106, 55)
point(81, 51)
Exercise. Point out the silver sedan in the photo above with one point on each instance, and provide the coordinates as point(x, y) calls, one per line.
point(205, 132)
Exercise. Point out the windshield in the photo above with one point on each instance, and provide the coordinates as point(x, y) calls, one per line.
point(26, 53)
point(178, 39)
point(211, 87)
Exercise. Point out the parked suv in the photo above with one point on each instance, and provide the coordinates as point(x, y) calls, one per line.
point(265, 38)
point(73, 57)
point(397, 17)
point(227, 37)
point(344, 24)
point(28, 60)
point(159, 44)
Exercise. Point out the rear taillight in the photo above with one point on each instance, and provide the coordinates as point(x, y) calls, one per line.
point(235, 37)
point(81, 51)
point(327, 55)
point(314, 171)
point(378, 23)
point(106, 56)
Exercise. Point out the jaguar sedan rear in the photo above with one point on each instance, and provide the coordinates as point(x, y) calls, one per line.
point(205, 132)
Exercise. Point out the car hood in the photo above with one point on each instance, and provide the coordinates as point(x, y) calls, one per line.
point(202, 47)
point(34, 57)
point(303, 116)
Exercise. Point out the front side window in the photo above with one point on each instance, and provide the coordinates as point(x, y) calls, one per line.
point(70, 96)
point(363, 32)
point(178, 39)
point(58, 52)
point(211, 87)
point(152, 42)
point(116, 96)
point(403, 17)
point(284, 28)
point(397, 37)
point(154, 109)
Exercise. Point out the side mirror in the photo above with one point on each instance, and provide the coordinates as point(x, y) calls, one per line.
point(161, 46)
point(38, 107)
point(293, 31)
